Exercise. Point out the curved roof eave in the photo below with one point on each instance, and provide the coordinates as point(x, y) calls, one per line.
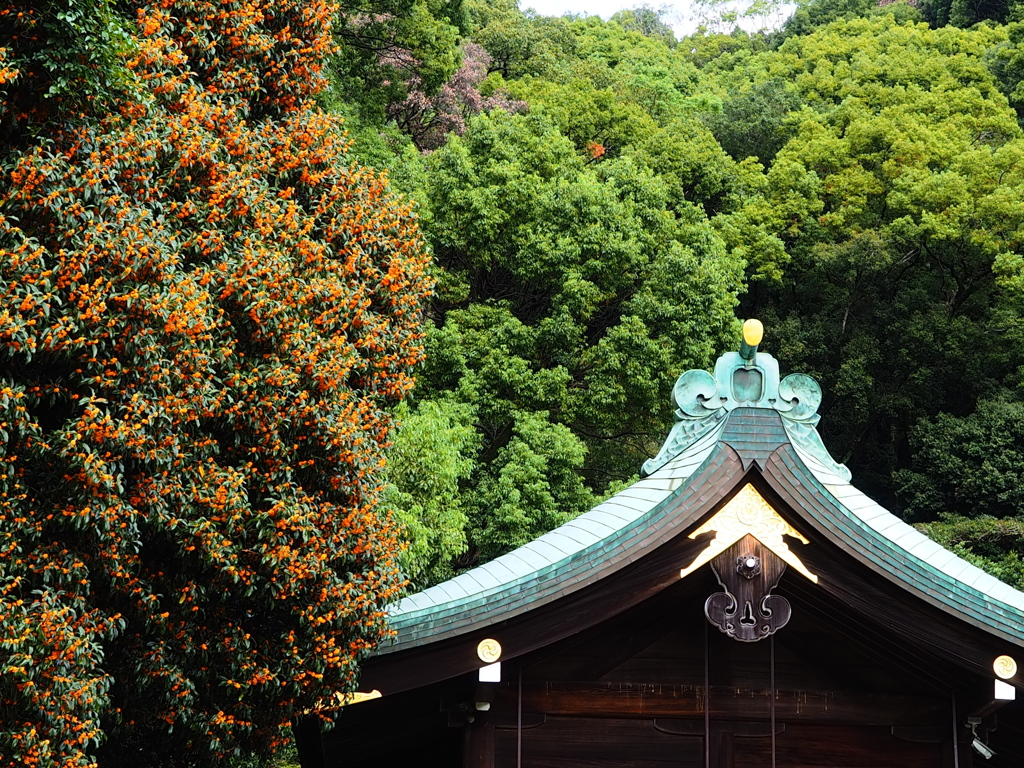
point(906, 556)
point(515, 581)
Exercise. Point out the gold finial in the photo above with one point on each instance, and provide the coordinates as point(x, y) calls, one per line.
point(753, 332)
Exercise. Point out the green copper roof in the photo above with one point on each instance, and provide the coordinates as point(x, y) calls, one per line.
point(746, 409)
point(546, 567)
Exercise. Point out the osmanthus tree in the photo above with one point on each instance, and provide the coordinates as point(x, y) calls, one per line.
point(206, 313)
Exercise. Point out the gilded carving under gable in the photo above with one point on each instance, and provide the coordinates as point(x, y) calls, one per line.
point(748, 513)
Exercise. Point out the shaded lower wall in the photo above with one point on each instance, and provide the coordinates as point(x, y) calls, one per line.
point(409, 730)
point(597, 743)
point(638, 691)
point(387, 737)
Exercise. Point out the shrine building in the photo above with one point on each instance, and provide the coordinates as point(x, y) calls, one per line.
point(741, 606)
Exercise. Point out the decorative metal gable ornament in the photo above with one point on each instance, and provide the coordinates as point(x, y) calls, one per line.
point(748, 553)
point(748, 556)
point(745, 379)
point(748, 514)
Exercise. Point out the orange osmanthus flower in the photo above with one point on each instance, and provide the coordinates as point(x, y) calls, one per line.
point(206, 312)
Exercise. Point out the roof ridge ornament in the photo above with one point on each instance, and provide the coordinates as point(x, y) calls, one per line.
point(745, 379)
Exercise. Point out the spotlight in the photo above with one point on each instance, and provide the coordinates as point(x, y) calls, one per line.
point(978, 745)
point(982, 748)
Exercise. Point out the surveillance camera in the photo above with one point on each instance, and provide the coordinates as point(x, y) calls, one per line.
point(982, 748)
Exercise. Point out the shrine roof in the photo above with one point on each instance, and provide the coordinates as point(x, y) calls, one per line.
point(743, 414)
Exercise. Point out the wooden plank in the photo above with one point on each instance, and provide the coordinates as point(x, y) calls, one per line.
point(841, 747)
point(579, 742)
point(681, 701)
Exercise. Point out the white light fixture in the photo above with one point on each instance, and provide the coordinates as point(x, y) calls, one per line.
point(1004, 691)
point(982, 748)
point(491, 673)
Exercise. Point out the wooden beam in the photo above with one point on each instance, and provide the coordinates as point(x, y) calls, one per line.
point(306, 732)
point(680, 701)
point(478, 750)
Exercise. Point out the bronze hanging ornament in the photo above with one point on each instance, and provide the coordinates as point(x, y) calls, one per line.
point(748, 555)
point(748, 571)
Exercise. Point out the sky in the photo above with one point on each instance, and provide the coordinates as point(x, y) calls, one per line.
point(679, 15)
point(603, 8)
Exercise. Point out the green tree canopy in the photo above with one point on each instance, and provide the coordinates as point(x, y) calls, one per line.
point(887, 215)
point(569, 298)
point(861, 166)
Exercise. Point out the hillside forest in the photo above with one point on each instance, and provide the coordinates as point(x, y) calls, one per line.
point(603, 200)
point(306, 304)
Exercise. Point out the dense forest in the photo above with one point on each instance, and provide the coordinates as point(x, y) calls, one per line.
point(602, 200)
point(285, 283)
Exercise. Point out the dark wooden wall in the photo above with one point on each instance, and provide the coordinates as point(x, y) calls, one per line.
point(631, 693)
